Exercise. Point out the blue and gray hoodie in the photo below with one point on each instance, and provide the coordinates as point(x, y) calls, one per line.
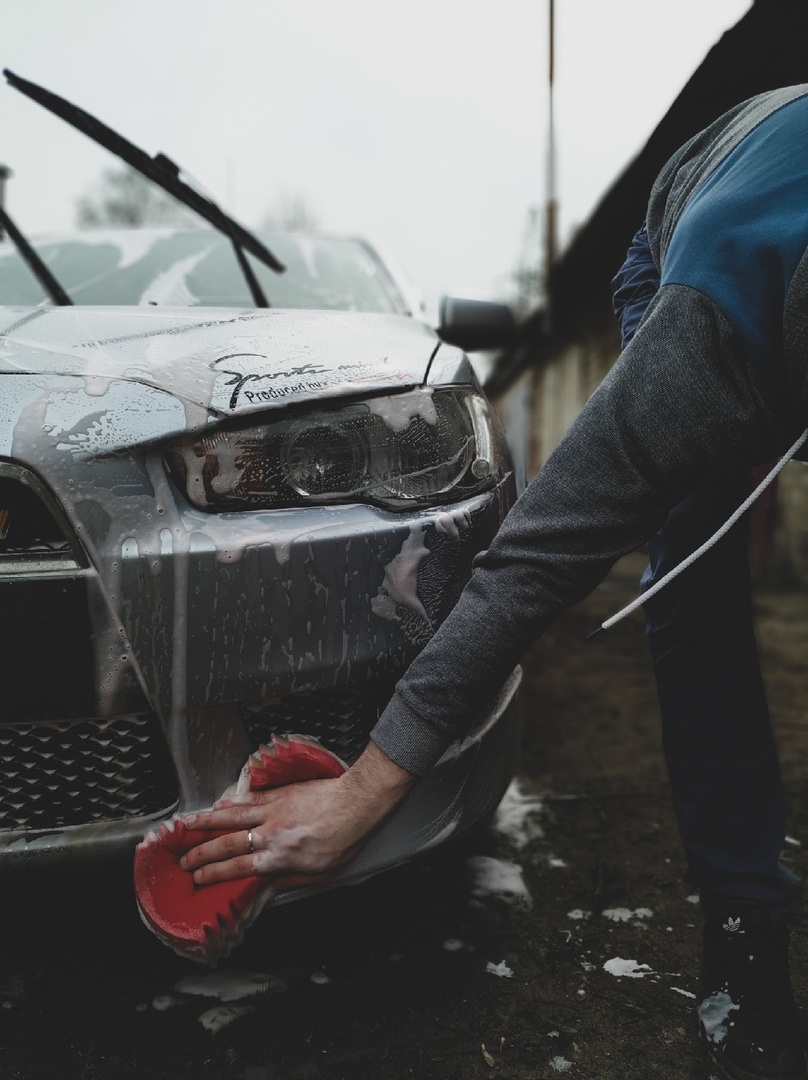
point(715, 378)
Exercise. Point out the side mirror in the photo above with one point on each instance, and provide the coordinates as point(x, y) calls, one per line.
point(475, 324)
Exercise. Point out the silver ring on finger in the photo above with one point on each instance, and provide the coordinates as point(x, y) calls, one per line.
point(250, 843)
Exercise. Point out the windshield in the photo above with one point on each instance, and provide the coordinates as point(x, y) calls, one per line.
point(199, 267)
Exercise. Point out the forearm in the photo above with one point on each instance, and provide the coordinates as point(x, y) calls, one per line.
point(376, 785)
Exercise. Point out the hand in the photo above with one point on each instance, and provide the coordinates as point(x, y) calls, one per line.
point(302, 834)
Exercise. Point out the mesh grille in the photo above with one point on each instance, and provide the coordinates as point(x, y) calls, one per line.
point(339, 719)
point(76, 772)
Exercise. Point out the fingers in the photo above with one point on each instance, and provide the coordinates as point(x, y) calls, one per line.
point(228, 870)
point(216, 860)
point(248, 798)
point(228, 817)
point(232, 847)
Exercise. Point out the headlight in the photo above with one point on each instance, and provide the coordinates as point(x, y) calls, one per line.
point(413, 449)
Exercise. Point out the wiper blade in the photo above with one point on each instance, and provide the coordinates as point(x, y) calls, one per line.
point(159, 168)
point(258, 294)
point(35, 263)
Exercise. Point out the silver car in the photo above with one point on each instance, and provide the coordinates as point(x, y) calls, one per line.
point(219, 522)
point(222, 520)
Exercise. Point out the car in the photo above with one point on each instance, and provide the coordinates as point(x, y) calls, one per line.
point(222, 522)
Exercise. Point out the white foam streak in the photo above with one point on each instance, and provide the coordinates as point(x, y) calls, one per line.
point(227, 986)
point(516, 816)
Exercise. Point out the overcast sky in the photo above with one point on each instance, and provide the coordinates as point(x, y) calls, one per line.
point(421, 125)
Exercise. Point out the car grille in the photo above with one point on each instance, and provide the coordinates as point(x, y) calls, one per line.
point(58, 774)
point(340, 719)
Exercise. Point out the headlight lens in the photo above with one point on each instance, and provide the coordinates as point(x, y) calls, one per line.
point(413, 449)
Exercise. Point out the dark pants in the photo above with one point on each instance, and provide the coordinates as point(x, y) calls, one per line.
point(717, 735)
point(718, 741)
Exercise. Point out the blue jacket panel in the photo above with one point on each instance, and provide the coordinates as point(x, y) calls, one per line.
point(751, 211)
point(634, 285)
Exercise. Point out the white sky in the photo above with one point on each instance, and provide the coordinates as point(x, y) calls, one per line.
point(420, 125)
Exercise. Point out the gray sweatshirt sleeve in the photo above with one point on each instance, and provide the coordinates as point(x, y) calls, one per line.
point(678, 406)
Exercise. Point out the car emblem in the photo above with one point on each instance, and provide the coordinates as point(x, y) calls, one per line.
point(5, 522)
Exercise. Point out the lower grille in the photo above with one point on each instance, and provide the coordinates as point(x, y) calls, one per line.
point(340, 719)
point(76, 772)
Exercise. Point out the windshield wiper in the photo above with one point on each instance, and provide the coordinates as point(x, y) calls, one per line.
point(35, 262)
point(163, 172)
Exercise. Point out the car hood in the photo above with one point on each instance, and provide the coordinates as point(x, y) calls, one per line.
point(223, 361)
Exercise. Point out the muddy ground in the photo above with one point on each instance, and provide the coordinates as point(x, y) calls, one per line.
point(391, 980)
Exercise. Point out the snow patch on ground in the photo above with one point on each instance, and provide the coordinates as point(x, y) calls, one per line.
point(225, 987)
point(560, 1064)
point(516, 816)
point(627, 968)
point(623, 914)
point(501, 969)
point(496, 877)
point(714, 1016)
point(213, 1020)
point(578, 913)
point(684, 993)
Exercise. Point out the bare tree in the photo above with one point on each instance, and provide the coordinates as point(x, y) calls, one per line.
point(528, 275)
point(124, 198)
point(292, 212)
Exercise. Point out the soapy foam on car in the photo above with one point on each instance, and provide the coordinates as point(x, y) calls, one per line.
point(400, 584)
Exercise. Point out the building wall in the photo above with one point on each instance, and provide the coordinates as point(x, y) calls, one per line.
point(540, 405)
point(565, 384)
point(516, 411)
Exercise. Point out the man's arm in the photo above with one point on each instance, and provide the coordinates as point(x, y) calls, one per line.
point(679, 406)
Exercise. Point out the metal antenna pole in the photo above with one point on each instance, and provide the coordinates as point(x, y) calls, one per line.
point(551, 204)
point(5, 174)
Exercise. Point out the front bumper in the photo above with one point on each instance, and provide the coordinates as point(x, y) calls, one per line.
point(461, 792)
point(139, 679)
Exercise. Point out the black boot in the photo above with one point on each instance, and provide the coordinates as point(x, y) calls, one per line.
point(747, 1017)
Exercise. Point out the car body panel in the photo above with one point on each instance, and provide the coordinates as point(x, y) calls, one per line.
point(229, 364)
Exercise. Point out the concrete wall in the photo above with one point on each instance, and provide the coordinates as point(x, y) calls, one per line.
point(515, 410)
point(540, 405)
point(565, 384)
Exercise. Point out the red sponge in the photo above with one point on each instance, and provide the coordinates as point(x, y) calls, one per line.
point(204, 922)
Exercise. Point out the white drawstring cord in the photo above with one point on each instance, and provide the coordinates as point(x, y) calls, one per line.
point(683, 565)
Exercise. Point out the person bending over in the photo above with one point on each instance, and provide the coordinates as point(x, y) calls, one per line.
point(713, 380)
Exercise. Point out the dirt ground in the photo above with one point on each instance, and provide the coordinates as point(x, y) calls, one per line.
point(391, 980)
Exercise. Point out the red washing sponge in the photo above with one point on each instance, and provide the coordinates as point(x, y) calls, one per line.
point(204, 922)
